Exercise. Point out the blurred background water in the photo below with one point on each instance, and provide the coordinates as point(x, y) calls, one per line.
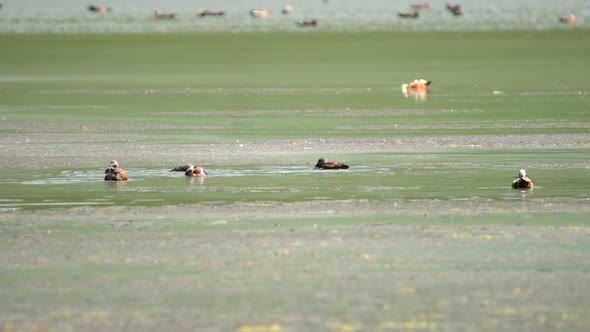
point(137, 16)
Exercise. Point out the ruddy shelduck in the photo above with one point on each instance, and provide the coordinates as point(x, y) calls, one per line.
point(259, 13)
point(195, 170)
point(522, 181)
point(568, 19)
point(417, 86)
point(114, 172)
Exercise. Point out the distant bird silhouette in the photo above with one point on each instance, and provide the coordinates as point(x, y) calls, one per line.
point(307, 23)
point(208, 12)
point(287, 10)
point(522, 181)
point(418, 6)
point(164, 16)
point(195, 170)
point(413, 14)
point(99, 9)
point(325, 164)
point(259, 13)
point(568, 19)
point(114, 172)
point(455, 9)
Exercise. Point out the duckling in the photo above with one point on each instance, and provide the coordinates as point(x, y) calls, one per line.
point(522, 181)
point(325, 164)
point(114, 172)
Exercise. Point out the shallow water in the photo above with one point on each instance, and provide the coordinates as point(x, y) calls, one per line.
point(33, 189)
point(65, 16)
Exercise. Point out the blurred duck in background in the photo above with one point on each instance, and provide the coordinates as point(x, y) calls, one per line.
point(568, 19)
point(455, 9)
point(99, 9)
point(164, 16)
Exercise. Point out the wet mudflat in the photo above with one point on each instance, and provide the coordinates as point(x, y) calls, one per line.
point(423, 232)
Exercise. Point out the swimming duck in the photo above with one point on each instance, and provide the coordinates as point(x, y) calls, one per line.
point(417, 87)
point(182, 168)
point(568, 19)
point(413, 14)
point(522, 181)
point(114, 172)
point(195, 170)
point(307, 23)
point(208, 12)
point(417, 6)
point(325, 164)
point(287, 10)
point(455, 9)
point(164, 16)
point(259, 13)
point(99, 9)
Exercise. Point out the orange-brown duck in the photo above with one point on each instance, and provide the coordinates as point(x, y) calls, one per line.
point(114, 172)
point(416, 88)
point(195, 170)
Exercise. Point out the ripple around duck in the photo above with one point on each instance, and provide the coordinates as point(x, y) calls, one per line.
point(138, 174)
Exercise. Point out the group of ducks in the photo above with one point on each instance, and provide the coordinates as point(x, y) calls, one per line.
point(415, 13)
point(287, 10)
point(456, 10)
point(116, 173)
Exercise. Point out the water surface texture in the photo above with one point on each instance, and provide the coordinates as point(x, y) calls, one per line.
point(136, 16)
